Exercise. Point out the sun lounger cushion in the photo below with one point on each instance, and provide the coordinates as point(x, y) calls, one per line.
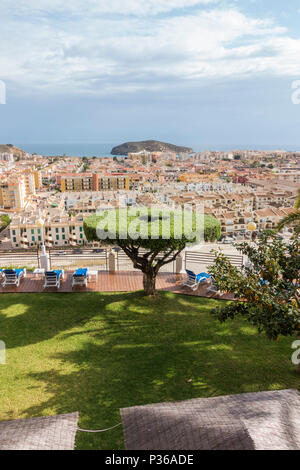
point(206, 275)
point(57, 273)
point(18, 272)
point(81, 272)
point(197, 277)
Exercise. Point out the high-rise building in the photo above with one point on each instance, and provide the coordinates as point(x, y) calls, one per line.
point(7, 157)
point(13, 193)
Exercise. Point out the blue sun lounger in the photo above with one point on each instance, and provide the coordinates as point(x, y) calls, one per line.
point(80, 277)
point(12, 277)
point(53, 278)
point(194, 280)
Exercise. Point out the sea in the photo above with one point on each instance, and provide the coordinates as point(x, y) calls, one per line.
point(104, 150)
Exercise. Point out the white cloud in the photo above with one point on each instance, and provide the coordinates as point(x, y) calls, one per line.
point(92, 7)
point(116, 53)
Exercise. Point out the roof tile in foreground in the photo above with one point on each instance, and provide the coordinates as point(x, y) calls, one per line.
point(261, 421)
point(47, 433)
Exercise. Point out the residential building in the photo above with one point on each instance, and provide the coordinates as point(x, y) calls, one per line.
point(59, 230)
point(13, 193)
point(77, 182)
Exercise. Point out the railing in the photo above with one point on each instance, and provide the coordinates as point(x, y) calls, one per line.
point(204, 260)
point(28, 259)
point(124, 263)
point(70, 260)
point(98, 260)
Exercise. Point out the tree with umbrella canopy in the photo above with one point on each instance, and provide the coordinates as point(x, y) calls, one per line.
point(151, 238)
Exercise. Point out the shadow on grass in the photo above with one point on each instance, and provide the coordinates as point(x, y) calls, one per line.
point(117, 350)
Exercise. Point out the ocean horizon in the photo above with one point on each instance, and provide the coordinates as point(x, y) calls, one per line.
point(104, 150)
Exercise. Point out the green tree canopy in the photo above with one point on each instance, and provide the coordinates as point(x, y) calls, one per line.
point(268, 284)
point(151, 238)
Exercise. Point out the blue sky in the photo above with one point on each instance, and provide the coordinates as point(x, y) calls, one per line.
point(185, 71)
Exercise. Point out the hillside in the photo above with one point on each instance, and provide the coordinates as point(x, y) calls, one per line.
point(149, 146)
point(9, 148)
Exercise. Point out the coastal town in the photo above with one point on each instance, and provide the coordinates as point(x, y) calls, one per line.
point(236, 187)
point(149, 229)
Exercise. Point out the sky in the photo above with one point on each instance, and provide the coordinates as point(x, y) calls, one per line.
point(190, 72)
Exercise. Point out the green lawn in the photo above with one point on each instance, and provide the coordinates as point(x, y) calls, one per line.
point(95, 353)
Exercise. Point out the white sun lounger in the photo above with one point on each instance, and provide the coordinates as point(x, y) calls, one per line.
point(53, 278)
point(80, 277)
point(12, 277)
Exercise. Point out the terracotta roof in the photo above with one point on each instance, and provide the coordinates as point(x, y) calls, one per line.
point(267, 212)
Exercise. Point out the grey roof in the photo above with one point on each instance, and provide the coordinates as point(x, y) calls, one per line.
point(49, 433)
point(261, 421)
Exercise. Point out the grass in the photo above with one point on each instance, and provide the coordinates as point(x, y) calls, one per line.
point(96, 353)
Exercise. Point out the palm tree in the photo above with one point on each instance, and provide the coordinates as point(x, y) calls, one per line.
point(292, 218)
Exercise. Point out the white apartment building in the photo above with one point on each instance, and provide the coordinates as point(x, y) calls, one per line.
point(235, 223)
point(60, 230)
point(6, 157)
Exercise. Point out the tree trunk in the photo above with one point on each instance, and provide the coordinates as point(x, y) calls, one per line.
point(149, 282)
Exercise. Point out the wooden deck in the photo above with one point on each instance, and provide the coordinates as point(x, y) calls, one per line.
point(121, 281)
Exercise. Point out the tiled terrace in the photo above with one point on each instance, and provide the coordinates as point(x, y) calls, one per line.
point(121, 281)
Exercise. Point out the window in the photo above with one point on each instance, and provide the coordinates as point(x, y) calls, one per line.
point(56, 230)
point(14, 239)
point(80, 229)
point(32, 231)
point(33, 239)
point(63, 237)
point(39, 238)
point(57, 238)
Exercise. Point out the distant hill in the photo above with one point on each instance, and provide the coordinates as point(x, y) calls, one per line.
point(10, 148)
point(149, 146)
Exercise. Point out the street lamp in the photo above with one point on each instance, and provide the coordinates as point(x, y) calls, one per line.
point(40, 224)
point(44, 258)
point(252, 228)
